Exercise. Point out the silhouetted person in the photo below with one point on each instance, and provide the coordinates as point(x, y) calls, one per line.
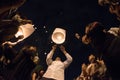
point(8, 7)
point(114, 6)
point(106, 44)
point(24, 63)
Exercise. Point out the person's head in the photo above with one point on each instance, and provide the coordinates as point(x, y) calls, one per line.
point(114, 6)
point(57, 59)
point(93, 31)
point(91, 58)
point(42, 72)
point(31, 51)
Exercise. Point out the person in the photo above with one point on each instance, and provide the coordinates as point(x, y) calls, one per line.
point(10, 20)
point(55, 70)
point(10, 28)
point(7, 7)
point(83, 75)
point(115, 31)
point(24, 63)
point(96, 70)
point(106, 44)
point(9, 53)
point(102, 70)
point(91, 67)
point(114, 6)
point(37, 73)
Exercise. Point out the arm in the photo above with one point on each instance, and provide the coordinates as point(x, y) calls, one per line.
point(10, 43)
point(69, 58)
point(50, 55)
point(88, 70)
point(34, 76)
point(16, 41)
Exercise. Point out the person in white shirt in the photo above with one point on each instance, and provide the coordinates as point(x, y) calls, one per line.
point(55, 70)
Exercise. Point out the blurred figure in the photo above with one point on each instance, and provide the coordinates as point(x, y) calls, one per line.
point(22, 20)
point(8, 7)
point(106, 42)
point(24, 63)
point(107, 45)
point(115, 31)
point(55, 70)
point(9, 53)
point(114, 6)
point(37, 72)
point(10, 20)
point(96, 70)
point(8, 28)
point(102, 70)
point(83, 75)
point(91, 67)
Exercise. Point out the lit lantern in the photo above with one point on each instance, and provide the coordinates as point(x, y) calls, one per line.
point(59, 36)
point(25, 30)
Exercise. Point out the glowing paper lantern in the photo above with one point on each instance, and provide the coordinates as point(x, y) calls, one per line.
point(59, 36)
point(25, 30)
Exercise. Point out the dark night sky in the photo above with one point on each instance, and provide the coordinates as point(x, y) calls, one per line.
point(72, 15)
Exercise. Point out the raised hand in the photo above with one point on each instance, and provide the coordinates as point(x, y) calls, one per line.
point(54, 47)
point(77, 35)
point(62, 48)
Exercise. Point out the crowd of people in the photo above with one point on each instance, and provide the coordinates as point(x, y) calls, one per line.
point(94, 70)
point(14, 64)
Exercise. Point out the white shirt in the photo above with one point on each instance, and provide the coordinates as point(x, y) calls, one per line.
point(56, 69)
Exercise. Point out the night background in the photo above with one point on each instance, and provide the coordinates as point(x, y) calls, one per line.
point(71, 15)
